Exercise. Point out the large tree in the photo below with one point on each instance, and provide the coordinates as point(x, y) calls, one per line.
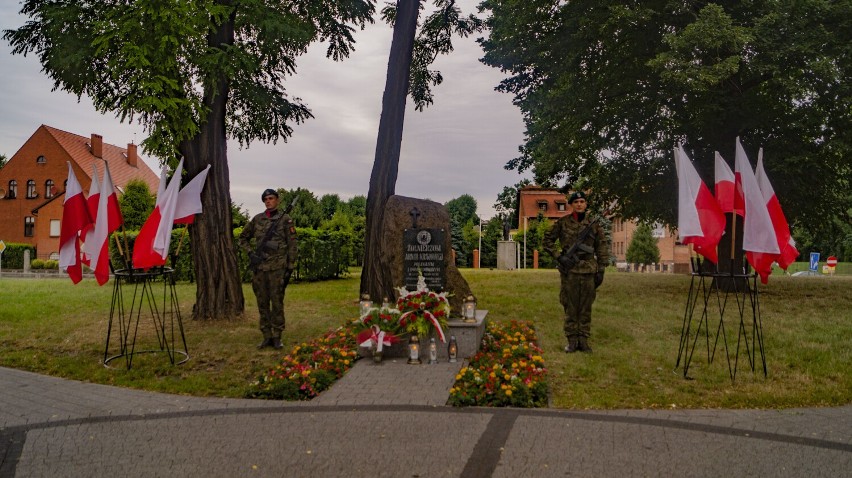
point(194, 73)
point(411, 55)
point(607, 88)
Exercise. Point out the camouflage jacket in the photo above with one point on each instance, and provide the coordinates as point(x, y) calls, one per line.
point(280, 250)
point(564, 233)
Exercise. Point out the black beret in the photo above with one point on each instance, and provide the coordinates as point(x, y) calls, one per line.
point(268, 192)
point(577, 195)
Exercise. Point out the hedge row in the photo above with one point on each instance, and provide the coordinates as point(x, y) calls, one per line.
point(13, 255)
point(322, 254)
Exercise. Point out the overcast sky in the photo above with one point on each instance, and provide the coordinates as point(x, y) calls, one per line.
point(456, 146)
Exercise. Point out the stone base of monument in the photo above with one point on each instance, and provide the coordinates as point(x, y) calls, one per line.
point(468, 338)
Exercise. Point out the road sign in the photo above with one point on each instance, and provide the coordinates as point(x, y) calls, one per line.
point(814, 261)
point(831, 261)
point(2, 246)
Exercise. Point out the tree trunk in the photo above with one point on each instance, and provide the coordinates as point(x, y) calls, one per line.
point(219, 293)
point(376, 276)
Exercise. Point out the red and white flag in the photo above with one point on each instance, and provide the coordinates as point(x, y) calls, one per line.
point(786, 244)
point(143, 246)
point(108, 220)
point(151, 249)
point(75, 217)
point(189, 199)
point(726, 186)
point(759, 240)
point(700, 220)
point(92, 204)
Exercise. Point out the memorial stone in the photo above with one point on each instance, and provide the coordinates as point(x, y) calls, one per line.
point(405, 213)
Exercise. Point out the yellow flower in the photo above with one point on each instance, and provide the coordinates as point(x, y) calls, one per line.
point(506, 376)
point(508, 393)
point(458, 377)
point(515, 364)
point(493, 375)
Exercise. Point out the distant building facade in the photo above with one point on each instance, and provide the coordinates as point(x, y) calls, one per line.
point(32, 183)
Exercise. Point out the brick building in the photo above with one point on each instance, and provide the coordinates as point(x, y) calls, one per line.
point(32, 183)
point(674, 257)
point(534, 200)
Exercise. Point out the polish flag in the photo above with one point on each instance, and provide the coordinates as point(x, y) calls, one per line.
point(75, 217)
point(189, 199)
point(725, 186)
point(700, 220)
point(149, 250)
point(108, 220)
point(759, 240)
point(786, 244)
point(92, 203)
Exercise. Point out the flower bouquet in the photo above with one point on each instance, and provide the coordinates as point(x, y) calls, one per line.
point(379, 328)
point(423, 310)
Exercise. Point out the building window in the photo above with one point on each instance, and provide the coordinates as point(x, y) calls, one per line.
point(41, 160)
point(560, 206)
point(13, 189)
point(31, 189)
point(542, 206)
point(49, 189)
point(55, 228)
point(29, 226)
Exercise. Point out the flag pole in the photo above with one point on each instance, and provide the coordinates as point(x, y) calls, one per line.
point(126, 246)
point(180, 243)
point(120, 251)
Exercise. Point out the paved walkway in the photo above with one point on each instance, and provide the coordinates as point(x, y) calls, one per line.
point(363, 427)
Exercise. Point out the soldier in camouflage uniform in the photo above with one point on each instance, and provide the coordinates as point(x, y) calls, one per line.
point(273, 257)
point(579, 284)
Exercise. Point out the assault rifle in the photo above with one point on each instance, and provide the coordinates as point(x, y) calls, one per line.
point(570, 256)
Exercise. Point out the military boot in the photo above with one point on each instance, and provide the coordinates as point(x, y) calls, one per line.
point(267, 342)
point(276, 343)
point(584, 345)
point(573, 345)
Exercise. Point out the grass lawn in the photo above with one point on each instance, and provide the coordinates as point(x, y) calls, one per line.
point(53, 327)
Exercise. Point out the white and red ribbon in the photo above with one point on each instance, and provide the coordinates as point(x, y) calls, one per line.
point(377, 336)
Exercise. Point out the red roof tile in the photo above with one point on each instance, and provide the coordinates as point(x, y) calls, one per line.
point(79, 148)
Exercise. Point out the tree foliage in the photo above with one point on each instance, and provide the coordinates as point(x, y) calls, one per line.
point(607, 88)
point(507, 201)
point(136, 204)
point(643, 247)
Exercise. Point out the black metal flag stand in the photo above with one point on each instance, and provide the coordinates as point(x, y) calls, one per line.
point(708, 299)
point(143, 302)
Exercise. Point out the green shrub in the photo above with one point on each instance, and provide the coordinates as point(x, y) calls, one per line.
point(51, 264)
point(181, 264)
point(37, 264)
point(13, 256)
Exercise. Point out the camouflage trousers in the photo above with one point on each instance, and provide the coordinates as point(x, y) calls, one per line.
point(577, 293)
point(269, 288)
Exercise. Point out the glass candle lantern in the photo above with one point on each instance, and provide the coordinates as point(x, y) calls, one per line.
point(453, 350)
point(385, 303)
point(469, 309)
point(365, 304)
point(433, 351)
point(414, 350)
